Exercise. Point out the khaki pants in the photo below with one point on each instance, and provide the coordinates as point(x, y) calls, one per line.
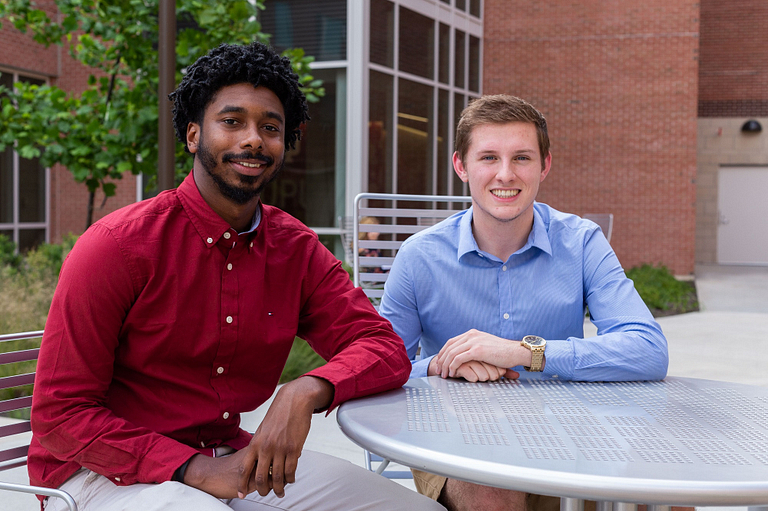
point(323, 483)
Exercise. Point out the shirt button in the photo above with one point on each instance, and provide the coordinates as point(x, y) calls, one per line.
point(229, 319)
point(202, 444)
point(227, 235)
point(229, 266)
point(225, 415)
point(220, 370)
point(251, 244)
point(506, 316)
point(117, 479)
point(504, 268)
point(209, 240)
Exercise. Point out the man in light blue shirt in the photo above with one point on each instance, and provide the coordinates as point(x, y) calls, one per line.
point(509, 269)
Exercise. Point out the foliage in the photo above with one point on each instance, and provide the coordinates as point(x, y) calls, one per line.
point(301, 360)
point(8, 255)
point(661, 291)
point(111, 128)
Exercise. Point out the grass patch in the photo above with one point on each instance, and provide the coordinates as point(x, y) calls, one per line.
point(662, 292)
point(301, 360)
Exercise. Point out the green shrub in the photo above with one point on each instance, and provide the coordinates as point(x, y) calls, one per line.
point(8, 255)
point(661, 291)
point(301, 360)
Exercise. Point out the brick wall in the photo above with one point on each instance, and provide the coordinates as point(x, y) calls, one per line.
point(733, 77)
point(617, 82)
point(68, 199)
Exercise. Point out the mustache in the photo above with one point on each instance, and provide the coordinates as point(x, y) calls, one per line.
point(263, 158)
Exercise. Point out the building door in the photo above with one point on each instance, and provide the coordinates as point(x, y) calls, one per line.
point(742, 235)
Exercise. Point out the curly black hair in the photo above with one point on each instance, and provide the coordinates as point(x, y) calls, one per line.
point(229, 64)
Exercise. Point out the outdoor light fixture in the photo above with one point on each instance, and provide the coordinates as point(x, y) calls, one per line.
point(751, 126)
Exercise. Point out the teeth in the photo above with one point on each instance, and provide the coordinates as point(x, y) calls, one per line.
point(505, 194)
point(251, 165)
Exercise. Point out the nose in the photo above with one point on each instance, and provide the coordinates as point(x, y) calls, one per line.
point(506, 171)
point(251, 138)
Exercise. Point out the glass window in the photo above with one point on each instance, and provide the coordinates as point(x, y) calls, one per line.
point(461, 5)
point(306, 186)
point(474, 64)
point(320, 28)
point(380, 133)
point(23, 199)
point(31, 190)
point(444, 64)
point(30, 238)
point(382, 32)
point(417, 43)
point(444, 166)
point(458, 106)
point(6, 79)
point(474, 8)
point(6, 186)
point(414, 138)
point(459, 60)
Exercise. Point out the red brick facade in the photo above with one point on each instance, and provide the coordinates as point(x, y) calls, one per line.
point(68, 199)
point(733, 76)
point(617, 82)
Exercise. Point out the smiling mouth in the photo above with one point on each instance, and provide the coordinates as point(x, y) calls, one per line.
point(505, 194)
point(249, 164)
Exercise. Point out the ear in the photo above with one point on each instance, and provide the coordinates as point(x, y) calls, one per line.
point(193, 136)
point(547, 167)
point(458, 166)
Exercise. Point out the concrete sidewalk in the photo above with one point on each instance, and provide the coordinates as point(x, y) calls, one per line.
point(727, 340)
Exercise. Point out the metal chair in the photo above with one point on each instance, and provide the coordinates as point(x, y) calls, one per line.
point(17, 432)
point(397, 217)
point(604, 220)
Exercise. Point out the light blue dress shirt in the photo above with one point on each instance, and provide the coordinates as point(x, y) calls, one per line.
point(442, 285)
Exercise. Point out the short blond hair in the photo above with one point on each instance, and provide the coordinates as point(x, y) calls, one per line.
point(499, 109)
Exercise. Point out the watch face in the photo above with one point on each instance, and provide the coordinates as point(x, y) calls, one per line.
point(534, 340)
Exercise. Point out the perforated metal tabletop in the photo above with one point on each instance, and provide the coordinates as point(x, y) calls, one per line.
point(681, 441)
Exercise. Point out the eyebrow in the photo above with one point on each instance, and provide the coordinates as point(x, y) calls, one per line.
point(240, 110)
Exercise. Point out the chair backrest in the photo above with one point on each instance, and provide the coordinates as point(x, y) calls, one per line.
point(604, 220)
point(393, 217)
point(18, 360)
point(17, 370)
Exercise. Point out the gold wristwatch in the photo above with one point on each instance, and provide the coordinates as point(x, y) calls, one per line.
point(537, 345)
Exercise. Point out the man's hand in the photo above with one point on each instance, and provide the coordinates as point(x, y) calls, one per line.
point(476, 346)
point(475, 371)
point(270, 460)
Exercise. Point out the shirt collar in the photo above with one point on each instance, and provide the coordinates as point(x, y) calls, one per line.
point(209, 225)
point(538, 238)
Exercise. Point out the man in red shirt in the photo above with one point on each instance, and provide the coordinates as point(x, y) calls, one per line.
point(174, 315)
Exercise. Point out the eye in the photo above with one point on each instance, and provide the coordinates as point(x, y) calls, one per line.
point(229, 121)
point(488, 157)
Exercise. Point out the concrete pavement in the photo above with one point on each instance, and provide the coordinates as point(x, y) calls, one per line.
point(726, 340)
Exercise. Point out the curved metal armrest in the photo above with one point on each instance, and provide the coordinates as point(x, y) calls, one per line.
point(39, 490)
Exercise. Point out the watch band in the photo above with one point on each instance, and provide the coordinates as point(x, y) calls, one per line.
point(537, 352)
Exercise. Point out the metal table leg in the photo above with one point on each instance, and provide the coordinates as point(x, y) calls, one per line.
point(572, 504)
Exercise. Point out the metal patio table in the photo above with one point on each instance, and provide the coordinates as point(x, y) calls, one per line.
point(681, 441)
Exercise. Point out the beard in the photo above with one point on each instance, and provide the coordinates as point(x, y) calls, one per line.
point(244, 191)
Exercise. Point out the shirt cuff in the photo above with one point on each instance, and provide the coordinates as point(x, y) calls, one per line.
point(559, 360)
point(420, 367)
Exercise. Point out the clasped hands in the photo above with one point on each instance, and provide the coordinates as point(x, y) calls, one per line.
point(479, 356)
point(269, 461)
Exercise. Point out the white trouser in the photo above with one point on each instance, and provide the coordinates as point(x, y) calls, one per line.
point(323, 482)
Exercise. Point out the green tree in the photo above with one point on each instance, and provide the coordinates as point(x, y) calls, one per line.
point(111, 128)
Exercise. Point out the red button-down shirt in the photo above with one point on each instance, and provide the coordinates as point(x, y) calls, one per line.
point(166, 325)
